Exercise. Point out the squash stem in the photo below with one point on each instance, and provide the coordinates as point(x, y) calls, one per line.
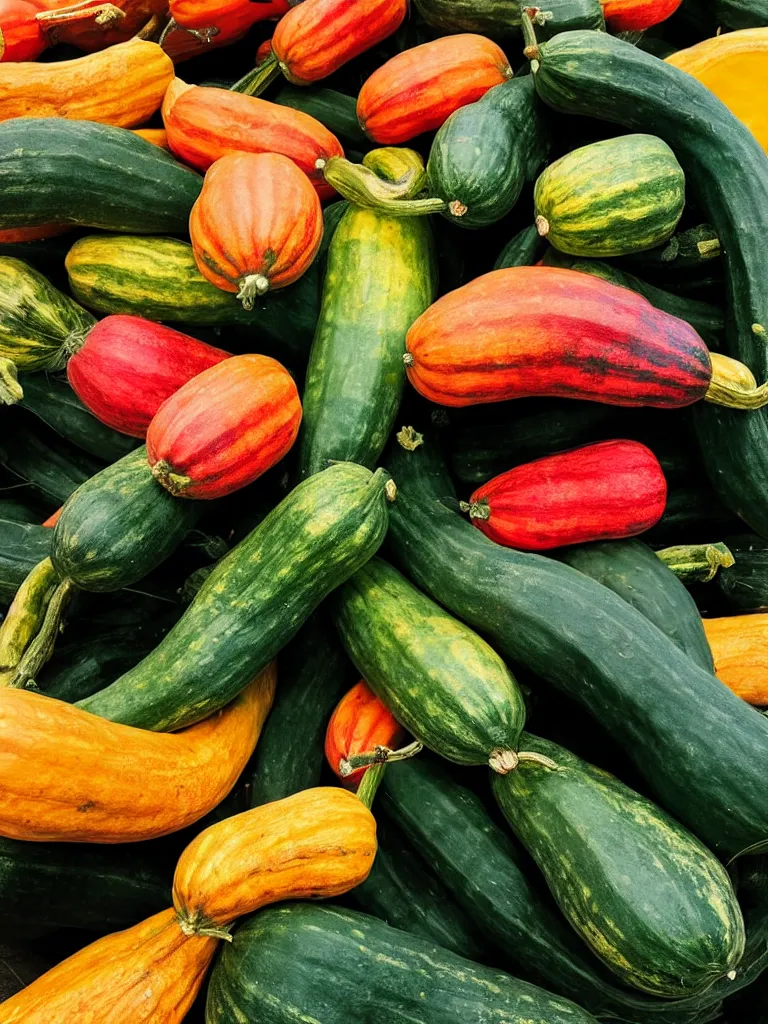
point(696, 563)
point(250, 287)
point(170, 27)
point(11, 391)
point(41, 648)
point(504, 761)
point(370, 783)
point(531, 50)
point(256, 81)
point(175, 483)
point(25, 618)
point(361, 186)
point(476, 509)
point(409, 438)
point(104, 14)
point(379, 755)
point(199, 924)
point(733, 385)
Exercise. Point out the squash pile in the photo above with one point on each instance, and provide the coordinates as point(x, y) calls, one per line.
point(384, 511)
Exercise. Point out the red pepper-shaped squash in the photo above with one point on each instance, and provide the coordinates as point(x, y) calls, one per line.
point(318, 36)
point(418, 89)
point(528, 331)
point(21, 37)
point(224, 428)
point(128, 366)
point(359, 723)
point(602, 491)
point(257, 224)
point(637, 15)
point(181, 43)
point(202, 14)
point(206, 124)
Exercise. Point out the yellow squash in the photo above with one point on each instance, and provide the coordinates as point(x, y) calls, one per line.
point(740, 650)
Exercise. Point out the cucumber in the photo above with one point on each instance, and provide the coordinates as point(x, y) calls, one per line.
point(693, 515)
point(255, 600)
point(707, 770)
point(18, 512)
point(524, 249)
point(52, 467)
point(499, 18)
point(743, 586)
point(335, 110)
point(381, 276)
point(22, 547)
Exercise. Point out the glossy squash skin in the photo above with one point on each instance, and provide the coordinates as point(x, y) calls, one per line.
point(317, 843)
point(506, 335)
point(416, 90)
point(123, 86)
point(21, 38)
point(743, 586)
point(127, 367)
point(22, 547)
point(738, 645)
point(180, 44)
point(314, 539)
point(497, 19)
point(204, 124)
point(84, 28)
point(611, 198)
point(359, 723)
point(257, 224)
point(149, 973)
point(109, 783)
point(204, 14)
point(637, 15)
point(602, 491)
point(645, 895)
point(224, 428)
point(313, 42)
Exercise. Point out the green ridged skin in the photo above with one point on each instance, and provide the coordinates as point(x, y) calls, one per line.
point(118, 526)
point(438, 678)
point(381, 276)
point(254, 601)
point(37, 321)
point(325, 965)
point(741, 13)
point(645, 895)
point(500, 19)
point(486, 151)
point(611, 198)
point(52, 466)
point(633, 571)
point(22, 547)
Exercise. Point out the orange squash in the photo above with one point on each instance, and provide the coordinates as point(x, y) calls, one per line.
point(157, 136)
point(637, 15)
point(205, 124)
point(21, 37)
point(69, 776)
point(359, 723)
point(317, 843)
point(256, 225)
point(418, 89)
point(53, 518)
point(182, 43)
point(95, 24)
point(204, 14)
point(734, 66)
point(123, 86)
point(33, 234)
point(224, 428)
point(740, 651)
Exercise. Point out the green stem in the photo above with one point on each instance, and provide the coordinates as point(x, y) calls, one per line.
point(531, 50)
point(41, 648)
point(256, 81)
point(696, 563)
point(362, 187)
point(379, 755)
point(369, 783)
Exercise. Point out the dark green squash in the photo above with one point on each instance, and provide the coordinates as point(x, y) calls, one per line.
point(499, 18)
point(743, 586)
point(524, 249)
point(51, 466)
point(23, 545)
point(334, 109)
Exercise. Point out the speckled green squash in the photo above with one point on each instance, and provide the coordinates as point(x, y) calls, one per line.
point(254, 601)
point(645, 895)
point(438, 678)
point(500, 18)
point(328, 965)
point(118, 526)
point(381, 276)
point(611, 198)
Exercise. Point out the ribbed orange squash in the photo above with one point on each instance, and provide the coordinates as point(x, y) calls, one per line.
point(740, 650)
point(257, 224)
point(359, 723)
point(157, 136)
point(317, 843)
point(68, 776)
point(205, 124)
point(149, 974)
point(637, 15)
point(224, 428)
point(93, 25)
point(123, 86)
point(201, 14)
point(418, 89)
point(21, 37)
point(318, 36)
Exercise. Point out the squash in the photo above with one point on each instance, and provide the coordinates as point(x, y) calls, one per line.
point(94, 24)
point(739, 648)
point(123, 86)
point(637, 15)
point(417, 90)
point(257, 224)
point(209, 14)
point(611, 198)
point(32, 234)
point(22, 547)
point(224, 427)
point(126, 367)
point(732, 66)
point(527, 331)
point(110, 783)
point(359, 723)
point(49, 464)
point(497, 19)
point(182, 43)
point(21, 37)
point(204, 124)
point(602, 491)
point(157, 136)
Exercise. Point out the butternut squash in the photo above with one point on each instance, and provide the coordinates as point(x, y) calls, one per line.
point(740, 650)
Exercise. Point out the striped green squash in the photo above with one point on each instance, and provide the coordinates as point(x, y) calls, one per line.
point(611, 198)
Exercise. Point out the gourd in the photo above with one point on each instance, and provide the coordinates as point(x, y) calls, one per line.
point(637, 15)
point(21, 38)
point(738, 647)
point(359, 724)
point(203, 14)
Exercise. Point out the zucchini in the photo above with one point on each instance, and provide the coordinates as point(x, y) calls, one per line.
point(335, 110)
point(646, 896)
point(49, 464)
point(314, 674)
point(254, 601)
point(633, 571)
point(22, 547)
point(499, 18)
point(586, 641)
point(330, 965)
point(17, 512)
point(524, 249)
point(736, 14)
point(743, 586)
point(438, 678)
point(381, 276)
point(693, 514)
point(80, 172)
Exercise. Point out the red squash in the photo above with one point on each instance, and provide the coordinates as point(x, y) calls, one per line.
point(202, 14)
point(182, 44)
point(418, 89)
point(359, 723)
point(93, 25)
point(637, 15)
point(224, 428)
point(21, 37)
point(602, 491)
point(128, 366)
point(318, 36)
point(257, 224)
point(205, 124)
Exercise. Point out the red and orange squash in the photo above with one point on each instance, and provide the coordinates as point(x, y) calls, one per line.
point(418, 89)
point(183, 43)
point(92, 25)
point(637, 15)
point(224, 428)
point(207, 14)
point(21, 37)
point(359, 723)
